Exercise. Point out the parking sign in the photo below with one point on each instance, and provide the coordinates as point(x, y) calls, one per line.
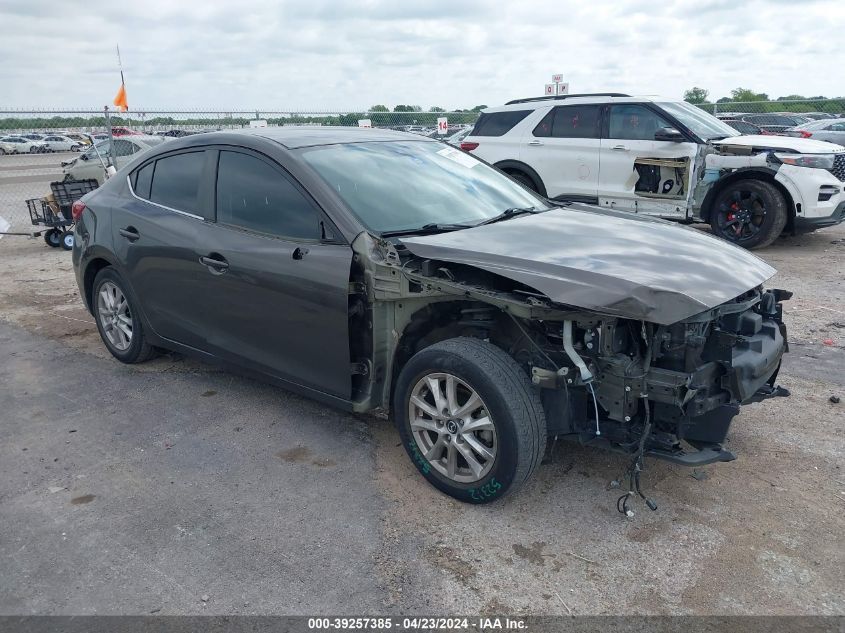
point(557, 78)
point(442, 125)
point(365, 123)
point(550, 90)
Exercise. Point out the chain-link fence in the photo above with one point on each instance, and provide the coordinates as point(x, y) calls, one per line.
point(27, 174)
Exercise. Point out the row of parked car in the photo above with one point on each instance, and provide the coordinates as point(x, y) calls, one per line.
point(35, 143)
point(820, 125)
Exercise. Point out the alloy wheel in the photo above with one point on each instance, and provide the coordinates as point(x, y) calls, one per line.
point(115, 317)
point(452, 427)
point(741, 215)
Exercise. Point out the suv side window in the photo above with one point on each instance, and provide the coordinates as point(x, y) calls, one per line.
point(574, 121)
point(498, 123)
point(176, 181)
point(253, 195)
point(634, 122)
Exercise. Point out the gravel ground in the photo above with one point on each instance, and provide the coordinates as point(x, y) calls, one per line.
point(130, 490)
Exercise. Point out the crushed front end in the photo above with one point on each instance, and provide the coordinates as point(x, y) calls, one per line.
point(669, 391)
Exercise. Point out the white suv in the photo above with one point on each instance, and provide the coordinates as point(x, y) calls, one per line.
point(664, 158)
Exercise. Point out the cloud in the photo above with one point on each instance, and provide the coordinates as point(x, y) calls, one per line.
point(341, 55)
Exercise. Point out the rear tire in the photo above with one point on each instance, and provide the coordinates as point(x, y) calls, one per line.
point(118, 319)
point(480, 438)
point(524, 180)
point(749, 213)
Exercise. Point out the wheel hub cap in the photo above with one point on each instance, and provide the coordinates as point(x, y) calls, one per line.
point(452, 427)
point(114, 316)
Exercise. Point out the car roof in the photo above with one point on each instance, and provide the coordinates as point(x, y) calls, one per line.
point(539, 102)
point(294, 137)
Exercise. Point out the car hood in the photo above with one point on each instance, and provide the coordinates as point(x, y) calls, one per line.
point(800, 145)
point(605, 261)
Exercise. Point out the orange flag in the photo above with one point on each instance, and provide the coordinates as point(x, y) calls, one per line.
point(120, 99)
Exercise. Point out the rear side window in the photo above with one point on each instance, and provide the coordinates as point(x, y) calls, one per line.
point(252, 194)
point(498, 123)
point(576, 121)
point(176, 181)
point(142, 179)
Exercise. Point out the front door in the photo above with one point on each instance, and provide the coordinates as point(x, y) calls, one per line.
point(639, 173)
point(274, 289)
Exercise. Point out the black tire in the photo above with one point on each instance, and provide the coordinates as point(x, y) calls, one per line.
point(53, 238)
point(2, 152)
point(33, 149)
point(510, 401)
point(524, 180)
point(67, 240)
point(138, 350)
point(749, 213)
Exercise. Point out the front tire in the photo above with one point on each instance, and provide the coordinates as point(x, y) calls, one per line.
point(469, 419)
point(53, 238)
point(67, 240)
point(118, 320)
point(749, 213)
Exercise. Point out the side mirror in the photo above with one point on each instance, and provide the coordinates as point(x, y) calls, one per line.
point(669, 134)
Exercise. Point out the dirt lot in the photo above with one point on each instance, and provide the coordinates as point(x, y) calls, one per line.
point(172, 487)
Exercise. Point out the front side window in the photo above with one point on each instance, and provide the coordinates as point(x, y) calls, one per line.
point(634, 122)
point(254, 195)
point(405, 185)
point(176, 181)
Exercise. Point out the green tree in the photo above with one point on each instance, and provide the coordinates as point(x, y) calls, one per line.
point(743, 95)
point(479, 108)
point(792, 98)
point(436, 109)
point(696, 95)
point(379, 108)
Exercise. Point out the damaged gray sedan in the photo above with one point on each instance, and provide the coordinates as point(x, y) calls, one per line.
point(374, 269)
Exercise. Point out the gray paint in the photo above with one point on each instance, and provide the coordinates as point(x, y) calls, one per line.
point(611, 262)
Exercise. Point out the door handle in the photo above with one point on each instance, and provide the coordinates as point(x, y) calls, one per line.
point(215, 265)
point(535, 143)
point(620, 148)
point(299, 252)
point(130, 233)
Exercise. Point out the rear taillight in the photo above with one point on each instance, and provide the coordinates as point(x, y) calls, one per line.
point(77, 209)
point(467, 146)
point(806, 134)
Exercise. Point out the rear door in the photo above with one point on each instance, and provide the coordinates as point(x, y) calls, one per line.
point(274, 289)
point(564, 149)
point(639, 173)
point(157, 234)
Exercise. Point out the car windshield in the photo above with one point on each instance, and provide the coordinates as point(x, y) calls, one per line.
point(701, 123)
point(406, 185)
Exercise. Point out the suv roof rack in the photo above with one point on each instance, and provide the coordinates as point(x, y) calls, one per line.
point(555, 98)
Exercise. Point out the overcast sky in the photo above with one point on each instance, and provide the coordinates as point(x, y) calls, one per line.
point(327, 55)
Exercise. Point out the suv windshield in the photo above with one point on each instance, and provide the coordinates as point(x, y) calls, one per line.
point(702, 124)
point(406, 185)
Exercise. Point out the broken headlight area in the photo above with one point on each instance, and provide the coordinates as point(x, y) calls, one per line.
point(813, 161)
point(682, 384)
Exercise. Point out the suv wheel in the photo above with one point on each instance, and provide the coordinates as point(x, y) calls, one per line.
point(524, 180)
point(117, 319)
point(749, 213)
point(470, 419)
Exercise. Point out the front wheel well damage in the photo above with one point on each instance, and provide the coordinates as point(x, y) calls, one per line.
point(766, 176)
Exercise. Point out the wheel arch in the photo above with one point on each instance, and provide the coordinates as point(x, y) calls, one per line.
point(763, 175)
point(511, 166)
